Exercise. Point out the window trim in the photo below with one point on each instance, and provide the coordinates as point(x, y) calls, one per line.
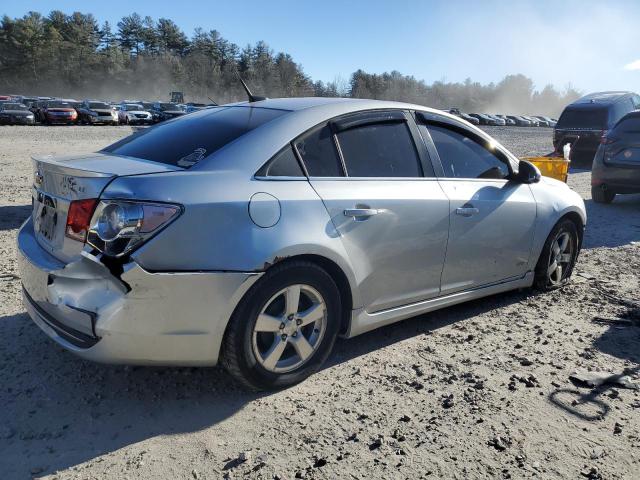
point(365, 118)
point(301, 160)
point(426, 159)
point(429, 118)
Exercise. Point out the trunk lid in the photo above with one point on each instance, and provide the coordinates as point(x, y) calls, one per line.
point(60, 180)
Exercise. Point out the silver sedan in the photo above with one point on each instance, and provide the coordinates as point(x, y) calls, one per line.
point(254, 234)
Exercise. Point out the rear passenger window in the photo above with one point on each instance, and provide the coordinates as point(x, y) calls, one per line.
point(463, 157)
point(379, 150)
point(283, 164)
point(318, 152)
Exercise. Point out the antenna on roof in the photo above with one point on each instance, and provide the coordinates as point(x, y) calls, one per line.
point(252, 97)
point(212, 100)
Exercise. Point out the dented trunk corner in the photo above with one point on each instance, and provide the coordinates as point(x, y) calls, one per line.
point(128, 315)
point(59, 181)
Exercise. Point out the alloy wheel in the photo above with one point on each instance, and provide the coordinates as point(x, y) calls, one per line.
point(560, 258)
point(289, 328)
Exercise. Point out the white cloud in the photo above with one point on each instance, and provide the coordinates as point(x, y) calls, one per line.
point(635, 65)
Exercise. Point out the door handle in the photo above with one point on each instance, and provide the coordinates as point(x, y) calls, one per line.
point(360, 212)
point(467, 211)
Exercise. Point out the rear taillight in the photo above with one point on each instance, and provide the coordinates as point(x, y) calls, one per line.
point(117, 227)
point(79, 218)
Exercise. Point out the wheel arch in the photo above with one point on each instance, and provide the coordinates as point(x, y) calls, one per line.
point(576, 218)
point(337, 274)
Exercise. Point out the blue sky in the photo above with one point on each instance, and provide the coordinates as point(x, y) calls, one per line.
point(583, 43)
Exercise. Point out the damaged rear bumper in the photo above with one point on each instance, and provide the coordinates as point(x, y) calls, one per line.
point(143, 318)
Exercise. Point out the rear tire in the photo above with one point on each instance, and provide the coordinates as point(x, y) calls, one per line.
point(558, 257)
point(600, 195)
point(293, 337)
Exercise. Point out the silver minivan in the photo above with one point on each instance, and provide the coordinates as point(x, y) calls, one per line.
point(253, 234)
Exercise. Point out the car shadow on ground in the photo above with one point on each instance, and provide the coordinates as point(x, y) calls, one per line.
point(620, 340)
point(63, 411)
point(612, 225)
point(12, 216)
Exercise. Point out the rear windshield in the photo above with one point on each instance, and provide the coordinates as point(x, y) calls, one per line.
point(628, 125)
point(595, 117)
point(187, 140)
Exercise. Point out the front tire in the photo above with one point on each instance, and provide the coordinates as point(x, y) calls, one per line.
point(601, 195)
point(558, 257)
point(284, 328)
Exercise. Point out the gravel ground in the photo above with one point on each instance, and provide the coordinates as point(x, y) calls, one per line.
point(479, 390)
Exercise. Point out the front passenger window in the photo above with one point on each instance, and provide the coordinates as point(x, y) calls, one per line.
point(463, 157)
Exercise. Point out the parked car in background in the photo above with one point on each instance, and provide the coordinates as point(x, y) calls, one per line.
point(466, 116)
point(254, 234)
point(57, 112)
point(167, 110)
point(5, 98)
point(500, 122)
point(15, 114)
point(194, 107)
point(616, 165)
point(520, 121)
point(28, 101)
point(508, 121)
point(93, 112)
point(584, 122)
point(119, 112)
point(534, 121)
point(550, 122)
point(135, 114)
point(484, 119)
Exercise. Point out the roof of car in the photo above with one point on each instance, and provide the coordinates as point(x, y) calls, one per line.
point(301, 103)
point(304, 113)
point(602, 97)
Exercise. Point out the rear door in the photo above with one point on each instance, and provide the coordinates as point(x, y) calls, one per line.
point(492, 219)
point(377, 184)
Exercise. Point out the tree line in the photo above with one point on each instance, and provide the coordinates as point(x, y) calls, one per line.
point(76, 56)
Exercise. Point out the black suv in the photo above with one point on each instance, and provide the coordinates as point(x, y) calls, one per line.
point(616, 166)
point(584, 122)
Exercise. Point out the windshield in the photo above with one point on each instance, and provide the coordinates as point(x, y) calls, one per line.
point(592, 117)
point(99, 105)
point(14, 106)
point(187, 140)
point(132, 107)
point(59, 105)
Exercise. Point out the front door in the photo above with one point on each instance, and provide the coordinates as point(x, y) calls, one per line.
point(492, 218)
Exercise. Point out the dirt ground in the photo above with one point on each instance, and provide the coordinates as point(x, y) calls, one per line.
point(480, 390)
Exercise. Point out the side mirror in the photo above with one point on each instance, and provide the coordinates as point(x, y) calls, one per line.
point(527, 172)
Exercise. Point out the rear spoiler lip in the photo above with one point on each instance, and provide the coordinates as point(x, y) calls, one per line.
point(59, 165)
point(55, 166)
